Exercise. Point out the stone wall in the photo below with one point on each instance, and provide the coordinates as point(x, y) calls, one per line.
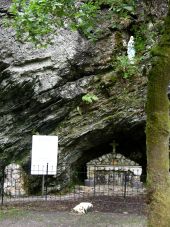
point(14, 180)
point(112, 159)
point(112, 168)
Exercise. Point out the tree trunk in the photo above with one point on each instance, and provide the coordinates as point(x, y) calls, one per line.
point(157, 133)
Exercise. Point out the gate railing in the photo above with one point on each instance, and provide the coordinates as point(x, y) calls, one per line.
point(16, 185)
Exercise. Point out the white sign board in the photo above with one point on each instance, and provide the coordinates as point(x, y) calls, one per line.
point(44, 155)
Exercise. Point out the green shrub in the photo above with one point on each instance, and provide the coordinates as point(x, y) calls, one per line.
point(125, 68)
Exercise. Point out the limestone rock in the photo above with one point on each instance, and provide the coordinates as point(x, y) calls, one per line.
point(41, 93)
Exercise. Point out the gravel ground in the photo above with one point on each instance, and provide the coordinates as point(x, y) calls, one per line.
point(107, 212)
point(106, 204)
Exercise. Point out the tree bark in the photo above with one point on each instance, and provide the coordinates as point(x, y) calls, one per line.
point(157, 133)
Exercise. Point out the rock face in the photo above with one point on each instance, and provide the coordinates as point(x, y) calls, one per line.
point(41, 91)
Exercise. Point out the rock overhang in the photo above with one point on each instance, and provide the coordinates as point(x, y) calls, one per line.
point(41, 90)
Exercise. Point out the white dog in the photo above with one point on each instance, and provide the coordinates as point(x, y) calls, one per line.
point(83, 208)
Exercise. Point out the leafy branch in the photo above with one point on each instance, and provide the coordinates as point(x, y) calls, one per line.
point(37, 20)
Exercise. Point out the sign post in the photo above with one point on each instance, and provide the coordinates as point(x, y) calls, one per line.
point(44, 157)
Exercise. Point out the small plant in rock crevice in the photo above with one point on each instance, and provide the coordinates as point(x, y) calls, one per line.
point(89, 98)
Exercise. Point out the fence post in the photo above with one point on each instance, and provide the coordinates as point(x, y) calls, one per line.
point(2, 178)
point(46, 185)
point(108, 181)
point(125, 184)
point(42, 187)
point(94, 193)
point(2, 187)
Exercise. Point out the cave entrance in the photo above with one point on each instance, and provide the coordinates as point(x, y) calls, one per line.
point(128, 143)
point(110, 174)
point(106, 168)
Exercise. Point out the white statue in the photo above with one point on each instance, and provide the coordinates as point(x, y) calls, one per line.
point(131, 49)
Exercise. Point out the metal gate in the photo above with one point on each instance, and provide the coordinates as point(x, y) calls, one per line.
point(101, 184)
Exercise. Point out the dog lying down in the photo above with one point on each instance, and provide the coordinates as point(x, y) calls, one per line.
point(83, 208)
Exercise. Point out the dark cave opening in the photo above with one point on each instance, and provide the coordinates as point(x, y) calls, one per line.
point(129, 143)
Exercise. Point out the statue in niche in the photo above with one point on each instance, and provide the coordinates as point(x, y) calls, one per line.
point(131, 50)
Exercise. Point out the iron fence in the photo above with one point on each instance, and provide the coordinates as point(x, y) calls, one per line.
point(93, 182)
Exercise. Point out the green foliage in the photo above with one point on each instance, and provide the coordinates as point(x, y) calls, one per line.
point(37, 20)
point(84, 19)
point(89, 98)
point(146, 35)
point(119, 11)
point(124, 67)
point(119, 6)
point(141, 36)
point(122, 7)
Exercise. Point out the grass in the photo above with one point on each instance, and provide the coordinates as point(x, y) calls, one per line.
point(11, 213)
point(23, 218)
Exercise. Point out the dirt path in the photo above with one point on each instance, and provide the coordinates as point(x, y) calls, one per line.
point(21, 218)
